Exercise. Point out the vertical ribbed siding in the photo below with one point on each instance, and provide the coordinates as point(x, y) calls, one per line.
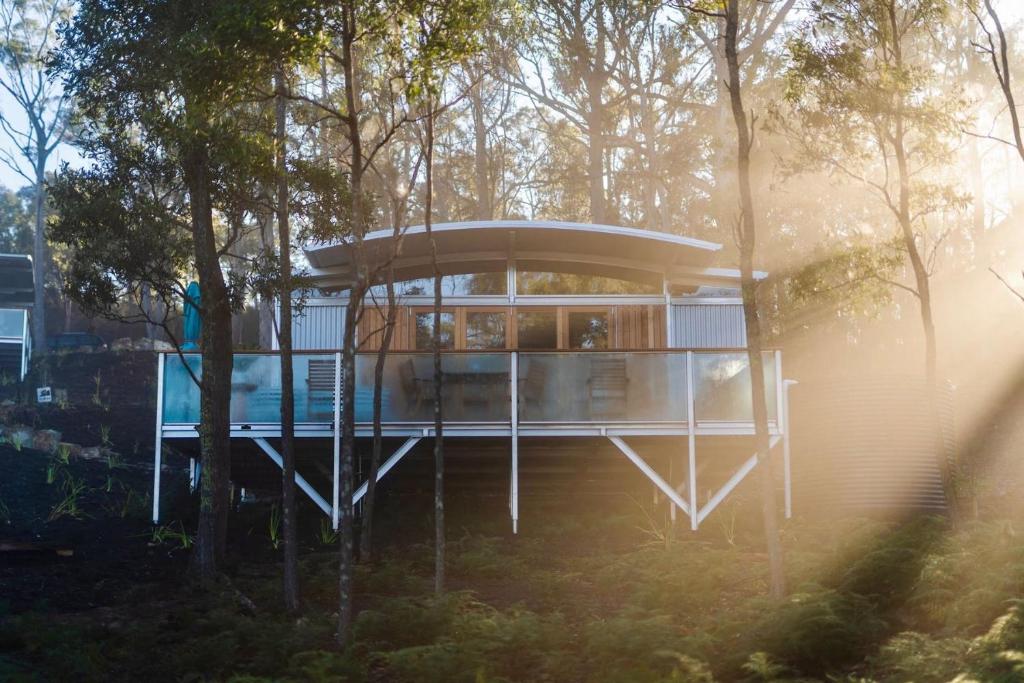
point(318, 327)
point(708, 326)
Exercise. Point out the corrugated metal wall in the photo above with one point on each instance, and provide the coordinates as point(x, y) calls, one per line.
point(708, 326)
point(318, 327)
point(870, 443)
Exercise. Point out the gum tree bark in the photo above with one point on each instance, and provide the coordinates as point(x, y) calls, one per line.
point(289, 523)
point(215, 388)
point(747, 234)
point(439, 535)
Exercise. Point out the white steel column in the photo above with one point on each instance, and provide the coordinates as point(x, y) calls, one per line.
point(691, 441)
point(514, 414)
point(388, 465)
point(24, 343)
point(786, 473)
point(336, 503)
point(669, 341)
point(300, 481)
point(650, 473)
point(158, 440)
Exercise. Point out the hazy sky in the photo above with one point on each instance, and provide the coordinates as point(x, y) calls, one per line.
point(1011, 11)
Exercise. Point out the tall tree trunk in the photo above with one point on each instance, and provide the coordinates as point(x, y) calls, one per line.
point(747, 242)
point(439, 535)
point(265, 308)
point(217, 360)
point(481, 165)
point(289, 523)
point(346, 540)
point(595, 152)
point(369, 500)
point(147, 309)
point(39, 256)
point(346, 574)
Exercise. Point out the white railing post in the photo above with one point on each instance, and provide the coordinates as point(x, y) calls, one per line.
point(669, 341)
point(691, 441)
point(514, 416)
point(786, 472)
point(336, 503)
point(778, 391)
point(24, 344)
point(158, 439)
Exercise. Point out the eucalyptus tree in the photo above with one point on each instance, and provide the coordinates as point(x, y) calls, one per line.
point(164, 90)
point(861, 101)
point(566, 67)
point(996, 47)
point(759, 25)
point(446, 33)
point(28, 31)
point(727, 17)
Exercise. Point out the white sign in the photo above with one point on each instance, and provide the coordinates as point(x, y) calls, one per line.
point(44, 395)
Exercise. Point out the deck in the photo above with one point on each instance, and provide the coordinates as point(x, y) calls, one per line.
point(608, 394)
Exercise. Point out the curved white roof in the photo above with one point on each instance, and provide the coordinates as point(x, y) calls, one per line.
point(469, 245)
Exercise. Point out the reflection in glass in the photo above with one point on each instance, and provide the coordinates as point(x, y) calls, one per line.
point(588, 330)
point(485, 330)
point(537, 329)
point(543, 282)
point(12, 322)
point(425, 330)
point(721, 386)
point(466, 284)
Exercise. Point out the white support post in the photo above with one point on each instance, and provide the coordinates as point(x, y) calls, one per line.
point(650, 473)
point(691, 442)
point(300, 481)
point(24, 343)
point(193, 475)
point(514, 416)
point(733, 482)
point(779, 416)
point(335, 480)
point(158, 440)
point(786, 472)
point(669, 341)
point(388, 465)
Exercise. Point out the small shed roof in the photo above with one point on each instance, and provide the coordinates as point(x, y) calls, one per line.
point(470, 246)
point(16, 280)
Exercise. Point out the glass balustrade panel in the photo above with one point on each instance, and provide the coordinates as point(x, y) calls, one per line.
point(721, 386)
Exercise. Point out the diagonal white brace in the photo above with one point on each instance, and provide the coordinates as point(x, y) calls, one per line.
point(300, 481)
point(733, 482)
point(388, 465)
point(649, 472)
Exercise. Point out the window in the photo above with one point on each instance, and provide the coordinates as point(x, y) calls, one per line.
point(588, 330)
point(467, 284)
point(425, 330)
point(537, 329)
point(538, 282)
point(485, 330)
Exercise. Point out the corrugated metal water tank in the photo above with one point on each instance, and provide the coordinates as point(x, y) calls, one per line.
point(866, 444)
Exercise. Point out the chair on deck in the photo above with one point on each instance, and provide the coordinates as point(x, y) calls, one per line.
point(414, 389)
point(532, 387)
point(320, 389)
point(609, 384)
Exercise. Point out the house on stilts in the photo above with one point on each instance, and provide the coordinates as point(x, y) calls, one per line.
point(560, 340)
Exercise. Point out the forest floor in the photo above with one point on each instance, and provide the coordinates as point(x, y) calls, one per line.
point(600, 590)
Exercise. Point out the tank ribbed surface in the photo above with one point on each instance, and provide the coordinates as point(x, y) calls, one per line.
point(868, 444)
